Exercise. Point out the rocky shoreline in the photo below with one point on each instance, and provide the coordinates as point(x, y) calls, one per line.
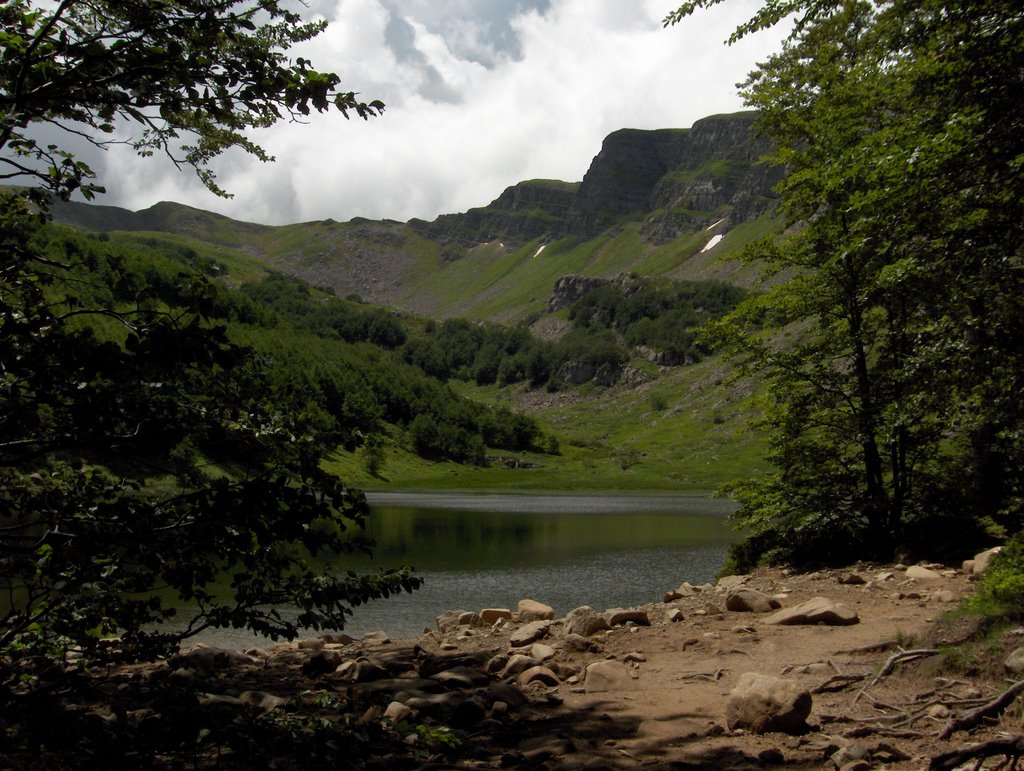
point(834, 669)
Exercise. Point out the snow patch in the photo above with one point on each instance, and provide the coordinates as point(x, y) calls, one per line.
point(709, 227)
point(539, 250)
point(712, 243)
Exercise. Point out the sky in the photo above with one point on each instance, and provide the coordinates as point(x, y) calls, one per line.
point(479, 95)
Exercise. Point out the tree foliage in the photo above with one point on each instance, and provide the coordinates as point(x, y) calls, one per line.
point(187, 79)
point(894, 417)
point(144, 455)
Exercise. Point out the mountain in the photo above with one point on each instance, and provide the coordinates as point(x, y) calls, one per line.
point(663, 202)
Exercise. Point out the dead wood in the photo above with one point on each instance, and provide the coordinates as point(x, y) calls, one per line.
point(990, 709)
point(899, 658)
point(838, 683)
point(713, 677)
point(1012, 747)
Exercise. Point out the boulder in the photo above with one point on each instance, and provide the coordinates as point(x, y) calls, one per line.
point(531, 610)
point(529, 633)
point(728, 583)
point(491, 616)
point(674, 615)
point(449, 620)
point(1015, 661)
point(620, 616)
point(462, 677)
point(579, 644)
point(608, 675)
point(542, 652)
point(982, 560)
point(744, 600)
point(398, 712)
point(921, 573)
point(763, 704)
point(585, 621)
point(817, 610)
point(538, 674)
point(517, 664)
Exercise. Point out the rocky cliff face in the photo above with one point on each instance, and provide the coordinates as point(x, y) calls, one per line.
point(670, 179)
point(673, 175)
point(523, 212)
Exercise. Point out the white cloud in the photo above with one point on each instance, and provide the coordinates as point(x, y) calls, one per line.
point(468, 115)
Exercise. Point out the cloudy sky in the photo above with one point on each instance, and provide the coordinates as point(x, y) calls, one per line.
point(480, 94)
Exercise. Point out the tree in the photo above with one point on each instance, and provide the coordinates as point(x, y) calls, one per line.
point(190, 78)
point(894, 412)
point(141, 450)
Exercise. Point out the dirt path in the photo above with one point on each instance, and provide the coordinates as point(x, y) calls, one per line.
point(455, 700)
point(672, 713)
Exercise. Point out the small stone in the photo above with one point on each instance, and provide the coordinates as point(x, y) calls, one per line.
point(674, 615)
point(921, 573)
point(943, 595)
point(634, 656)
point(852, 579)
point(310, 644)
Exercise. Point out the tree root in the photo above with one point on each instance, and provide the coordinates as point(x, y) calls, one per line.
point(1010, 746)
point(712, 677)
point(990, 709)
point(902, 656)
point(838, 683)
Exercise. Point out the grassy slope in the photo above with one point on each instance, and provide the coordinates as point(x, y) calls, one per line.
point(610, 438)
point(685, 430)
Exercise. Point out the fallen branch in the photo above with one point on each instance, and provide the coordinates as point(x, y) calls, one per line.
point(990, 709)
point(838, 683)
point(899, 658)
point(1012, 747)
point(873, 730)
point(712, 677)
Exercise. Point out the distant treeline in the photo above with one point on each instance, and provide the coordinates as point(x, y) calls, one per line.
point(326, 359)
point(607, 322)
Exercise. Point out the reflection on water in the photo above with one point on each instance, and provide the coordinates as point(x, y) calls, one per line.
point(479, 551)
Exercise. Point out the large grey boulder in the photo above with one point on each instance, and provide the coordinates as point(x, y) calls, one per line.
point(817, 610)
point(764, 704)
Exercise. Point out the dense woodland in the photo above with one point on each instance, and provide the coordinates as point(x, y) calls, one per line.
point(162, 427)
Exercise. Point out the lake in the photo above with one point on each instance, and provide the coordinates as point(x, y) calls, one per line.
point(479, 551)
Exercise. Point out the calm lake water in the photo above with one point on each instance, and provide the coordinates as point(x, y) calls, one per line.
point(491, 550)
